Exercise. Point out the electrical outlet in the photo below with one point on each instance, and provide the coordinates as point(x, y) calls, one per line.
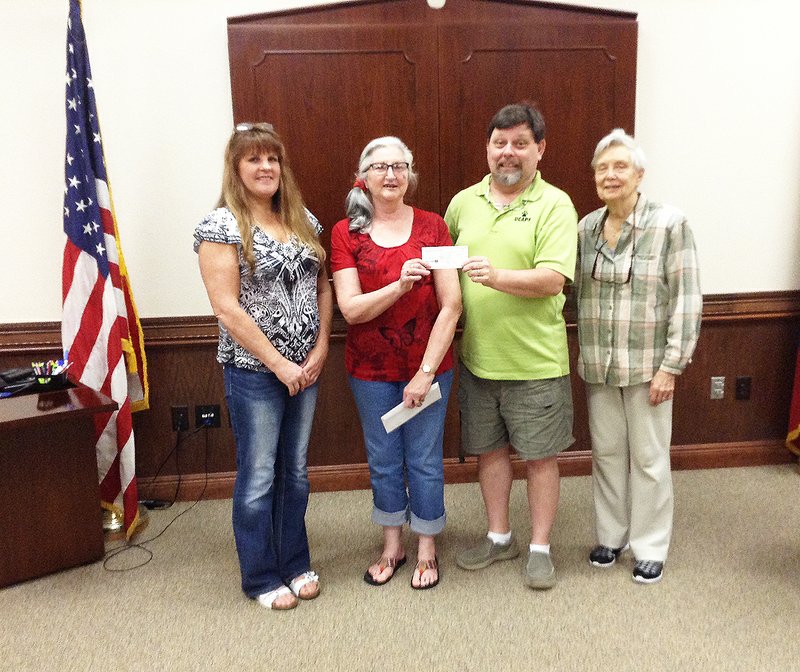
point(206, 415)
point(717, 387)
point(180, 418)
point(743, 387)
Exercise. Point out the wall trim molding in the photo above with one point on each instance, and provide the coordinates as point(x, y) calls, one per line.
point(573, 463)
point(160, 332)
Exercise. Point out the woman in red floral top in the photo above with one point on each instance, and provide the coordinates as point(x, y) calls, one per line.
point(402, 317)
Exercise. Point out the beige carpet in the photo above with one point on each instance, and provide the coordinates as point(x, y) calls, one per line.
point(730, 598)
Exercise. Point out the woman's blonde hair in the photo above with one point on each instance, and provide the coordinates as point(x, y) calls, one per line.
point(287, 202)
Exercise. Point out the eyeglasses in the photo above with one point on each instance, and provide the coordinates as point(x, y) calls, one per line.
point(614, 279)
point(248, 126)
point(382, 168)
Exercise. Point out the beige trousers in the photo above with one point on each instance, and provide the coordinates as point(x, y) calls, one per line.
point(631, 476)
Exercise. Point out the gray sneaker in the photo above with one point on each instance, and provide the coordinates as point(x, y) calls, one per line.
point(485, 553)
point(540, 573)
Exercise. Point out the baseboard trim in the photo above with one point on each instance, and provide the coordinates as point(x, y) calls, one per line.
point(573, 463)
point(740, 454)
point(188, 487)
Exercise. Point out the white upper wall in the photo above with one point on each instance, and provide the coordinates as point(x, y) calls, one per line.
point(718, 114)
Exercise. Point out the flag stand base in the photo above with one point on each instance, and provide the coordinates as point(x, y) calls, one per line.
point(114, 527)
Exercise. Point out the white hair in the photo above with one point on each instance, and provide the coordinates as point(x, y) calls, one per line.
point(619, 137)
point(358, 204)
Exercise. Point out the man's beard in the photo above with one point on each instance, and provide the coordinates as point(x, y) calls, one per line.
point(507, 179)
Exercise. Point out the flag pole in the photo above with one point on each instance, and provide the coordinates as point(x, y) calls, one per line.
point(100, 328)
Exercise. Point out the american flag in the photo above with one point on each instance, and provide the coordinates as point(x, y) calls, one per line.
point(100, 328)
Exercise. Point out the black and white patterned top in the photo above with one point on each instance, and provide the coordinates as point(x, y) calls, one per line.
point(281, 296)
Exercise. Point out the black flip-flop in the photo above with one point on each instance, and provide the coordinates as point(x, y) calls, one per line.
point(394, 563)
point(428, 564)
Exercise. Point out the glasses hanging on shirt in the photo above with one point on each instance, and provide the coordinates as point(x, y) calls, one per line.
point(614, 278)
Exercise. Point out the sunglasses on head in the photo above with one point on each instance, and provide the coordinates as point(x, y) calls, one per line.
point(246, 126)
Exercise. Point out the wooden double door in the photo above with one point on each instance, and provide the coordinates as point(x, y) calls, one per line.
point(331, 79)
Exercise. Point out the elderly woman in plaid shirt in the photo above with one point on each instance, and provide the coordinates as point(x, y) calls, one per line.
point(639, 308)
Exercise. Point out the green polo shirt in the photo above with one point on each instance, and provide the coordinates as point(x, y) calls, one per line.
point(508, 337)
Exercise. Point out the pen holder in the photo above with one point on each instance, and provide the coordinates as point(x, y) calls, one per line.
point(58, 381)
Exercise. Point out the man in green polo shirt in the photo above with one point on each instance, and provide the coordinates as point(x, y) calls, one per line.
point(514, 386)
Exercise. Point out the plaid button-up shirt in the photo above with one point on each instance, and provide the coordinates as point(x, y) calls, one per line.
point(629, 327)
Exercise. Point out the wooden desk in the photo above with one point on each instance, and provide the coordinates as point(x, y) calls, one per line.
point(50, 516)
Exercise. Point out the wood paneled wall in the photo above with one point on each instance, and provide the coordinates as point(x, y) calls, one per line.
point(358, 70)
point(752, 335)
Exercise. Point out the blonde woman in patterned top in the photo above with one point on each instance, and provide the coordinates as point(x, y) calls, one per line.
point(263, 268)
point(639, 308)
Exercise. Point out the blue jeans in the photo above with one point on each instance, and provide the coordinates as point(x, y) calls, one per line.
point(270, 495)
point(411, 454)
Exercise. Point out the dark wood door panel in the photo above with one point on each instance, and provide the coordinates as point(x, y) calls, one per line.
point(580, 76)
point(329, 90)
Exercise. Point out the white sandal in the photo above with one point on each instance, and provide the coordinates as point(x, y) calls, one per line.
point(267, 599)
point(304, 579)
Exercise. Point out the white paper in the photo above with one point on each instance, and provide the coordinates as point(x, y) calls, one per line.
point(400, 414)
point(447, 256)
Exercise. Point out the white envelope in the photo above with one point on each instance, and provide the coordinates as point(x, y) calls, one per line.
point(446, 256)
point(400, 414)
